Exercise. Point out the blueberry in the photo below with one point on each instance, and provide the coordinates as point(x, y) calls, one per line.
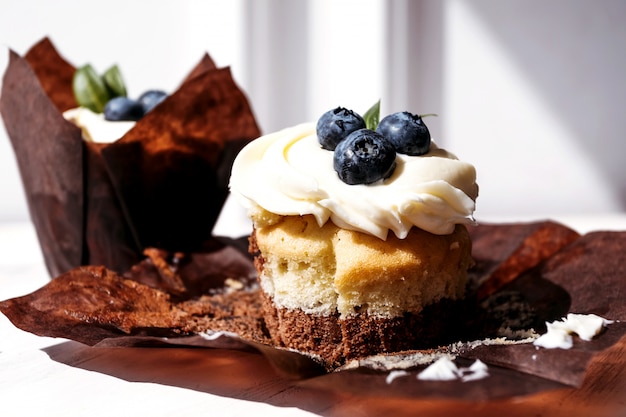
point(335, 125)
point(407, 133)
point(364, 157)
point(151, 98)
point(123, 108)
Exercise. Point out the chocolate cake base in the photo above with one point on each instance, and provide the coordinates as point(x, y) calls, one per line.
point(337, 340)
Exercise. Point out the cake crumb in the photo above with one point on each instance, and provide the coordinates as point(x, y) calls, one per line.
point(445, 369)
point(395, 374)
point(559, 333)
point(385, 362)
point(233, 284)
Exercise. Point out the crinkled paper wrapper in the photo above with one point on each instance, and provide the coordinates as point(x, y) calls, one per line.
point(160, 185)
point(209, 299)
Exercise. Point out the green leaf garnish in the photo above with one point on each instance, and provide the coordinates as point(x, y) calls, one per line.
point(372, 116)
point(114, 81)
point(89, 89)
point(94, 91)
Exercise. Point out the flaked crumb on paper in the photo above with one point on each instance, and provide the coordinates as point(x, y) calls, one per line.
point(232, 284)
point(213, 335)
point(445, 369)
point(522, 335)
point(478, 370)
point(411, 360)
point(586, 326)
point(394, 375)
point(464, 346)
point(559, 333)
point(397, 361)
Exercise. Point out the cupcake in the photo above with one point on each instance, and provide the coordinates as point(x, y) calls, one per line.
point(100, 192)
point(359, 233)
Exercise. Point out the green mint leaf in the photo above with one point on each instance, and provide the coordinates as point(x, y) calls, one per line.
point(114, 81)
point(89, 89)
point(372, 116)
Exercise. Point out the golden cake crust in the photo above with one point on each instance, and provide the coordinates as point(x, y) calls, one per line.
point(325, 270)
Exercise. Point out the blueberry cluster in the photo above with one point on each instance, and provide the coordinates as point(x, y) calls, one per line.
point(364, 156)
point(125, 108)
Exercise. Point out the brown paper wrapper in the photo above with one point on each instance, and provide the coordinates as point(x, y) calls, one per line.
point(210, 299)
point(160, 185)
point(117, 247)
point(49, 154)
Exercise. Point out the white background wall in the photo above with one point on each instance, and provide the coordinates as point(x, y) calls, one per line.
point(532, 92)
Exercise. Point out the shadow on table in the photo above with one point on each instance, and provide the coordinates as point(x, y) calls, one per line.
point(244, 375)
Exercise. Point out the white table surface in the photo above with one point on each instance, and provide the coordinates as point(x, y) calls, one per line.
point(54, 377)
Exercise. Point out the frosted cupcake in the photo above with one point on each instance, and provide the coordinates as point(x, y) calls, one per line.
point(359, 234)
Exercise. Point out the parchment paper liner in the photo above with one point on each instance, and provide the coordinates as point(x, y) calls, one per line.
point(161, 185)
point(581, 275)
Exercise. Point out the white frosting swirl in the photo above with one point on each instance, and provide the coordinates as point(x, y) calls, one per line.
point(95, 127)
point(288, 173)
